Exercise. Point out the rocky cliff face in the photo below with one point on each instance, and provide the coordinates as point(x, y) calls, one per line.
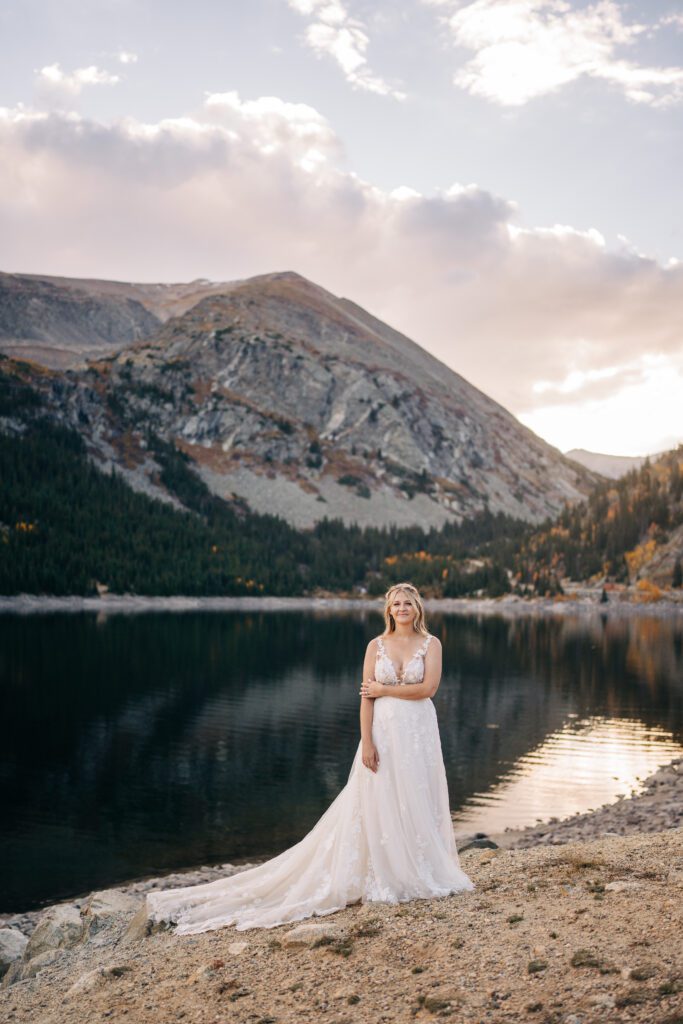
point(303, 404)
point(60, 325)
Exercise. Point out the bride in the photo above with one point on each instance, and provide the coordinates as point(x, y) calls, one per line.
point(387, 837)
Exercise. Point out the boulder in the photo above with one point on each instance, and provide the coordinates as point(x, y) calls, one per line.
point(141, 926)
point(12, 946)
point(107, 906)
point(58, 927)
point(20, 970)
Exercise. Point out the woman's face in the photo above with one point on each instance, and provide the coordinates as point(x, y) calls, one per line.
point(401, 608)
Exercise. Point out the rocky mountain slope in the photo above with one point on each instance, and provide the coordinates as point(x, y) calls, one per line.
point(60, 321)
point(304, 404)
point(58, 324)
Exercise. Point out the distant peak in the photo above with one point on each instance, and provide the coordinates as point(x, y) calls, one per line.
point(278, 276)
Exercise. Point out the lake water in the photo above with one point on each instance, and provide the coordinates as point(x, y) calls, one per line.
point(134, 745)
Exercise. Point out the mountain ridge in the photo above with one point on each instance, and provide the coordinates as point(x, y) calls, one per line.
point(611, 466)
point(301, 402)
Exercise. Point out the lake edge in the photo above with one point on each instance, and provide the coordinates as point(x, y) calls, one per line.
point(507, 605)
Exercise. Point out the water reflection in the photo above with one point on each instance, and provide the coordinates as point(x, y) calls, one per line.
point(139, 744)
point(584, 765)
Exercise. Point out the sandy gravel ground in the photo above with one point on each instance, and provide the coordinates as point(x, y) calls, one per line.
point(585, 932)
point(572, 924)
point(571, 934)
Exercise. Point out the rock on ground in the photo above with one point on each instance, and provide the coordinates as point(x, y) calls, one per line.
point(12, 947)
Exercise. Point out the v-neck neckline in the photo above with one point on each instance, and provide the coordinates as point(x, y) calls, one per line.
point(400, 676)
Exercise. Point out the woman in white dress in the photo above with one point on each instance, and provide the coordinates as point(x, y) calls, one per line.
point(387, 837)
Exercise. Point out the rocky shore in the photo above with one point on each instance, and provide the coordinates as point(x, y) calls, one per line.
point(571, 922)
point(583, 601)
point(658, 806)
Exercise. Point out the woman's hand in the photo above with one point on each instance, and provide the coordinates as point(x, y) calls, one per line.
point(371, 688)
point(370, 756)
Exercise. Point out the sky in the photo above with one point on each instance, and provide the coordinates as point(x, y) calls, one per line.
point(498, 179)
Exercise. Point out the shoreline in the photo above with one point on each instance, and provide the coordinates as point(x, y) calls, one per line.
point(587, 932)
point(582, 603)
point(655, 808)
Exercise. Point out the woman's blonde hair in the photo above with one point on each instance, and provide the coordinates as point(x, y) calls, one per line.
point(413, 596)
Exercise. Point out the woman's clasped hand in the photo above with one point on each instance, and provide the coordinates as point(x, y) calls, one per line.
point(371, 688)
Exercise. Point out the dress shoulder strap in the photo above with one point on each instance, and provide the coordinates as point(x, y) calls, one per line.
point(427, 641)
point(380, 645)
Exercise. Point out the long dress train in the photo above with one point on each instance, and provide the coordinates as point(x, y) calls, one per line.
point(387, 837)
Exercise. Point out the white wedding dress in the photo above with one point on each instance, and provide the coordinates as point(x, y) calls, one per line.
point(387, 837)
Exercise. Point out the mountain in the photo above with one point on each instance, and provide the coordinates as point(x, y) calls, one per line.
point(612, 466)
point(60, 321)
point(68, 528)
point(59, 324)
point(286, 397)
point(629, 530)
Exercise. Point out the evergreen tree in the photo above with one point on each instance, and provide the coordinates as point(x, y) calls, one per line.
point(677, 580)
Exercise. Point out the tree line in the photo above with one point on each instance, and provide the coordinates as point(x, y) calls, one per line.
point(67, 527)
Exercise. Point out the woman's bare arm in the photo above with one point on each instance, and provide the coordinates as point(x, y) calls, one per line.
point(369, 751)
point(415, 691)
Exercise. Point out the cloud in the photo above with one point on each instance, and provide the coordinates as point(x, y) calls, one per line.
point(333, 32)
point(247, 186)
point(529, 48)
point(640, 417)
point(125, 57)
point(672, 19)
point(273, 125)
point(52, 78)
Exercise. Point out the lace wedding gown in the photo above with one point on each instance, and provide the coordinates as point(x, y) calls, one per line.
point(387, 837)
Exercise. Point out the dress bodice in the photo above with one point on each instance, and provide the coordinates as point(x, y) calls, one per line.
point(413, 672)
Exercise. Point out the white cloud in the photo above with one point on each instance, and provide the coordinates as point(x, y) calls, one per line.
point(273, 125)
point(56, 88)
point(241, 187)
point(672, 19)
point(578, 380)
point(529, 48)
point(52, 77)
point(126, 57)
point(333, 32)
point(641, 417)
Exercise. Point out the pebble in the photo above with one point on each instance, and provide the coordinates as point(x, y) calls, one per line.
point(93, 979)
point(237, 947)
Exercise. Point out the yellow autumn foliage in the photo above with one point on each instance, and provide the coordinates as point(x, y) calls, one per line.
point(640, 555)
point(648, 591)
